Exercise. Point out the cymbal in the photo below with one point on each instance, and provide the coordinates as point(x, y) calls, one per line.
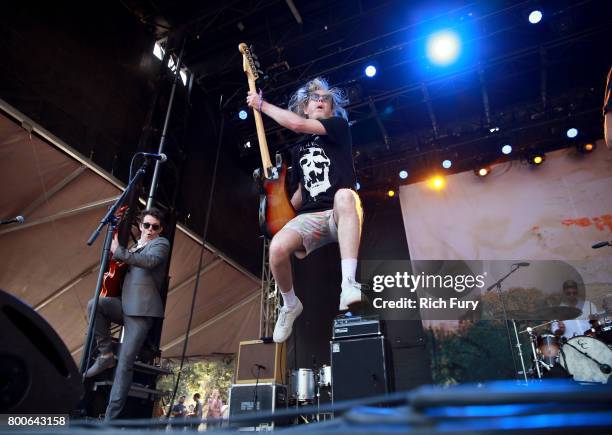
point(599, 316)
point(515, 314)
point(544, 313)
point(558, 313)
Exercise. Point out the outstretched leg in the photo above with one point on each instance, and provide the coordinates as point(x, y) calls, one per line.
point(283, 245)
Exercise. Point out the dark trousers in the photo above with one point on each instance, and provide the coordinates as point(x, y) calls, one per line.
point(135, 329)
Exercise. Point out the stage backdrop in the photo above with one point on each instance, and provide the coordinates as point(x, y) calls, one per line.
point(519, 212)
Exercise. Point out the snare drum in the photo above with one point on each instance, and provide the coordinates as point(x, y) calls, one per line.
point(302, 385)
point(325, 379)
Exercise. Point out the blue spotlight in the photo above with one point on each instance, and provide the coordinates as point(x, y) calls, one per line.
point(572, 132)
point(446, 164)
point(243, 114)
point(370, 71)
point(535, 16)
point(443, 47)
point(403, 174)
point(507, 149)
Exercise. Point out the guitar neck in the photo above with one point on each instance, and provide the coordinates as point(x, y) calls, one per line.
point(261, 136)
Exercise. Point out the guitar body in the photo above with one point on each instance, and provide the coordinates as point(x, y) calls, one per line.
point(113, 279)
point(275, 208)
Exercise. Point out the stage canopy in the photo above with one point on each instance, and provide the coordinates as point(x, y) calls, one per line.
point(48, 265)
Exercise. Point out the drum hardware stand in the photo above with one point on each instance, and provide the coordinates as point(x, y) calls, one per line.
point(520, 351)
point(536, 360)
point(497, 285)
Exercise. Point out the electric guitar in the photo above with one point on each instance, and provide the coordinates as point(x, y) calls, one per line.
point(275, 208)
point(113, 278)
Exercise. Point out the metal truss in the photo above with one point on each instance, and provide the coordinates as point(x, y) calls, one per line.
point(270, 296)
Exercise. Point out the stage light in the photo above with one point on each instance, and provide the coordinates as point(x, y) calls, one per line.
point(243, 114)
point(572, 132)
point(370, 71)
point(446, 164)
point(536, 159)
point(535, 16)
point(506, 149)
point(586, 147)
point(443, 47)
point(403, 174)
point(437, 182)
point(391, 193)
point(482, 171)
point(247, 145)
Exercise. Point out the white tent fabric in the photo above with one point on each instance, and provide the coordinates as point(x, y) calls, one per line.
point(47, 263)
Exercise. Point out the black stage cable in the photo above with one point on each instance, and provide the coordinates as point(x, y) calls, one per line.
point(200, 262)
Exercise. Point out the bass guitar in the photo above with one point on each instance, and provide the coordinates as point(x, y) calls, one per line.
point(275, 208)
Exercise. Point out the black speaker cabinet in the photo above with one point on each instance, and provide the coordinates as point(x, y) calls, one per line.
point(359, 368)
point(37, 373)
point(242, 402)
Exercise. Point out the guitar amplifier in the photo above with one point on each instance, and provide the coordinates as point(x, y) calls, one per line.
point(356, 326)
point(260, 362)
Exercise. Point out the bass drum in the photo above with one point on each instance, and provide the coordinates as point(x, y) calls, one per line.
point(596, 367)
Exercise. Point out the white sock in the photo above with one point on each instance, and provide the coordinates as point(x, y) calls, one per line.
point(289, 298)
point(349, 267)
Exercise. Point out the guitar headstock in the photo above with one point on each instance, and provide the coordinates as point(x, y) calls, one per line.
point(249, 61)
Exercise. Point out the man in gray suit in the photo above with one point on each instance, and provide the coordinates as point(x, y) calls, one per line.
point(140, 302)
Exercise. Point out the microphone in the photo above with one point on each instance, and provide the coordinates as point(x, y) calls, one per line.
point(601, 245)
point(260, 367)
point(19, 219)
point(155, 156)
point(521, 264)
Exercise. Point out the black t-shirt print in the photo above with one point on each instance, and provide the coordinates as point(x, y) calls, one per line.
point(322, 164)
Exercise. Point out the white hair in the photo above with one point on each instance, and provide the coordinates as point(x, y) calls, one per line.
point(299, 100)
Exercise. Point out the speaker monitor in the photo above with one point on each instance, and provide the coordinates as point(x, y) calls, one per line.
point(37, 372)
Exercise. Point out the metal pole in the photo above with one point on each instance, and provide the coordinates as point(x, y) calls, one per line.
point(162, 141)
point(520, 351)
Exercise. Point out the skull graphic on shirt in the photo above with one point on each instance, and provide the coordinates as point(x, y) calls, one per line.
point(315, 167)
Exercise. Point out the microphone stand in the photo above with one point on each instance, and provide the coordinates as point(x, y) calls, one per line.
point(111, 221)
point(497, 284)
point(255, 390)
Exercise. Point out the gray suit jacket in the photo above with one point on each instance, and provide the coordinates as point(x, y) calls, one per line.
point(144, 279)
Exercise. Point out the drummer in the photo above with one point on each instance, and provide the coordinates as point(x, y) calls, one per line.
point(577, 326)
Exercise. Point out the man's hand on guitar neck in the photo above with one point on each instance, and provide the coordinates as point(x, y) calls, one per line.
point(114, 243)
point(285, 117)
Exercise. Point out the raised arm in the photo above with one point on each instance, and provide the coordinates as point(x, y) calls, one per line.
point(285, 117)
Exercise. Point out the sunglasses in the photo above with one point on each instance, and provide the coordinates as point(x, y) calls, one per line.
point(147, 225)
point(327, 98)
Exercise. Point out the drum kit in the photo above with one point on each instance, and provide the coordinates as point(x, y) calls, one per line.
point(586, 358)
point(307, 384)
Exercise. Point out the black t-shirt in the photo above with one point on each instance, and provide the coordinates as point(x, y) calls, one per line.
point(322, 164)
